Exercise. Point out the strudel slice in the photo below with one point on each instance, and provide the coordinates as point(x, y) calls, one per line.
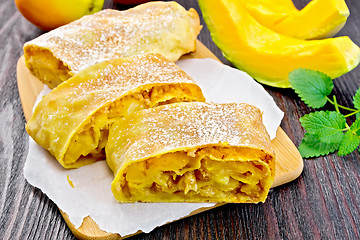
point(157, 27)
point(72, 121)
point(191, 152)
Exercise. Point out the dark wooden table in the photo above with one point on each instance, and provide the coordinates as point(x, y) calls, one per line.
point(323, 203)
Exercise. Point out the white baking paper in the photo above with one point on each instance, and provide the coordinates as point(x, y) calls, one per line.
point(92, 196)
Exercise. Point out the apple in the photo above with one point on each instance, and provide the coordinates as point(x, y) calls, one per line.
point(131, 2)
point(51, 14)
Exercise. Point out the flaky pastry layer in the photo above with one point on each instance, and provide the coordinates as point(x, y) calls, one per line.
point(191, 152)
point(158, 27)
point(72, 121)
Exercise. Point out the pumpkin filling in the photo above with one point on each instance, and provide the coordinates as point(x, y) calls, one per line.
point(89, 141)
point(46, 67)
point(223, 174)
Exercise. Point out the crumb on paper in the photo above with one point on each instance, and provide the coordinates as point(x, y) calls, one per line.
point(70, 182)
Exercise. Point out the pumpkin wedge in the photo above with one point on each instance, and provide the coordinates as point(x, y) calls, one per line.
point(268, 56)
point(318, 19)
point(268, 13)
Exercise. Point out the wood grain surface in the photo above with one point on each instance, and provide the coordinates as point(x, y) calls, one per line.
point(323, 203)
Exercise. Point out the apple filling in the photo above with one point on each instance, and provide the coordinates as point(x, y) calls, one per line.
point(88, 143)
point(215, 174)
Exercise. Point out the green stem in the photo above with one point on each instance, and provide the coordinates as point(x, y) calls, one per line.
point(353, 113)
point(336, 105)
point(340, 106)
point(347, 128)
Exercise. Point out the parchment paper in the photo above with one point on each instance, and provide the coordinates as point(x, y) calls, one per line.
point(92, 196)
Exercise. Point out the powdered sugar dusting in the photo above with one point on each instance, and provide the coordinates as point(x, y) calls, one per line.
point(119, 77)
point(189, 125)
point(160, 27)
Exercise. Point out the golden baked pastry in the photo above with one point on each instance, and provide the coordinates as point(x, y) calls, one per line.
point(191, 152)
point(72, 121)
point(158, 27)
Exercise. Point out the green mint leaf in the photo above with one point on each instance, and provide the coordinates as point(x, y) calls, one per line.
point(351, 139)
point(355, 127)
point(357, 116)
point(328, 126)
point(349, 144)
point(311, 146)
point(356, 99)
point(311, 86)
point(356, 102)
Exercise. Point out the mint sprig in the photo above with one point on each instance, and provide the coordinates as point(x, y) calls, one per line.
point(326, 131)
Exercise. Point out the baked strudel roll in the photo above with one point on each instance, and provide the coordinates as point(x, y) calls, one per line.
point(72, 121)
point(157, 27)
point(191, 152)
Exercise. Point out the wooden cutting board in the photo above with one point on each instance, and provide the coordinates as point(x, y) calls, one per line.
point(288, 165)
